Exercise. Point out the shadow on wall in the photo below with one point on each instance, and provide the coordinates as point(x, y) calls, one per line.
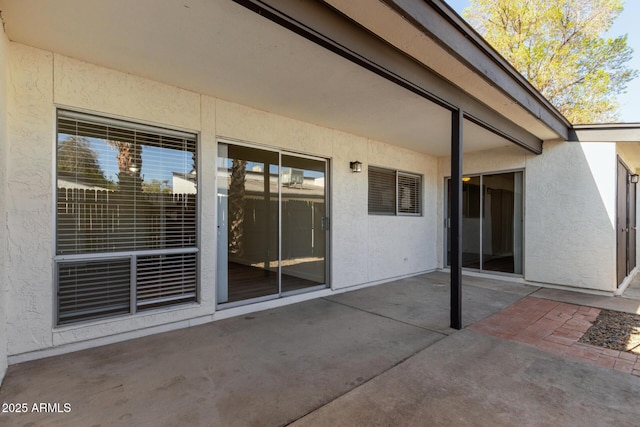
point(570, 215)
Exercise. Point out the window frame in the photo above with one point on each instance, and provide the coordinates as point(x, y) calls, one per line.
point(128, 254)
point(397, 211)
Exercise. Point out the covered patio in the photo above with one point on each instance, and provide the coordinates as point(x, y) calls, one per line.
point(403, 86)
point(314, 79)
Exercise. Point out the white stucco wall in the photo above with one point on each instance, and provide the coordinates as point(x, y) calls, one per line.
point(569, 236)
point(4, 47)
point(364, 248)
point(399, 245)
point(29, 198)
point(570, 223)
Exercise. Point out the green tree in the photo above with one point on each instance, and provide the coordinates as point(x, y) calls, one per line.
point(559, 46)
point(76, 158)
point(156, 186)
point(129, 165)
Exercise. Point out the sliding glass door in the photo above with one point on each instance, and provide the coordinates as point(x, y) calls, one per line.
point(304, 223)
point(492, 222)
point(272, 223)
point(471, 254)
point(248, 200)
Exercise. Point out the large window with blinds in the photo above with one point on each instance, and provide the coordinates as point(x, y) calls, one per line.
point(392, 192)
point(126, 217)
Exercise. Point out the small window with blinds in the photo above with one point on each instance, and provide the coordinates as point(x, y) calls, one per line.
point(409, 191)
point(382, 191)
point(394, 193)
point(126, 193)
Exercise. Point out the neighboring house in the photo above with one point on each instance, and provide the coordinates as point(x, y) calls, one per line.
point(255, 112)
point(184, 183)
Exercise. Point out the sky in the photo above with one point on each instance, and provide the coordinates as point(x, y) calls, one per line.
point(157, 163)
point(627, 23)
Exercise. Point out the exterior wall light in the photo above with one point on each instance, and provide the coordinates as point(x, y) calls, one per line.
point(466, 179)
point(356, 166)
point(634, 178)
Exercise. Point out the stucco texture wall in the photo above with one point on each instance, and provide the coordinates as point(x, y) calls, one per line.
point(571, 207)
point(29, 198)
point(364, 248)
point(400, 245)
point(569, 236)
point(4, 53)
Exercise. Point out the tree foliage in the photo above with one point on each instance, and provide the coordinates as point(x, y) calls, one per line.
point(75, 157)
point(156, 186)
point(129, 165)
point(237, 200)
point(558, 45)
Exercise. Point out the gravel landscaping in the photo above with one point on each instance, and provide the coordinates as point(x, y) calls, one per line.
point(616, 331)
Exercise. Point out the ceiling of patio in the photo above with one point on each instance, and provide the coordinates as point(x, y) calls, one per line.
point(219, 48)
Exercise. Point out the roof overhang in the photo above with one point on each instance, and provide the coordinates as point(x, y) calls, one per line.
point(616, 132)
point(436, 36)
point(625, 135)
point(335, 71)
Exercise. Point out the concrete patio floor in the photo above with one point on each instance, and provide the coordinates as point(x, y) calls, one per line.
point(377, 356)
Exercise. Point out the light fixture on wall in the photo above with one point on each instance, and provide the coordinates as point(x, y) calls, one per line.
point(634, 178)
point(466, 179)
point(355, 166)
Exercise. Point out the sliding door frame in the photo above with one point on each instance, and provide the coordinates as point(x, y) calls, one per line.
point(445, 211)
point(327, 211)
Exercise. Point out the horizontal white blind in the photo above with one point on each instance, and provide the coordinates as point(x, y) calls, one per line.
point(93, 289)
point(382, 191)
point(409, 194)
point(165, 279)
point(127, 188)
point(122, 124)
point(123, 189)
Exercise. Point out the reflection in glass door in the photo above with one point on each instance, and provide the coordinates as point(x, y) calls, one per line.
point(492, 222)
point(247, 223)
point(272, 224)
point(470, 222)
point(304, 223)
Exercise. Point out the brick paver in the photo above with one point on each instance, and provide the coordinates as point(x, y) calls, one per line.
point(555, 327)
